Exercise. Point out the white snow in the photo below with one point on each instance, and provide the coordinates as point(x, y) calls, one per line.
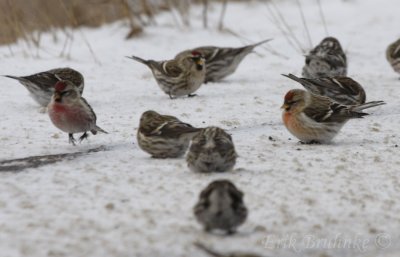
point(120, 202)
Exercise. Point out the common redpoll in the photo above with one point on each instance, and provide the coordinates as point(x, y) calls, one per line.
point(317, 119)
point(393, 55)
point(343, 90)
point(41, 85)
point(71, 113)
point(326, 60)
point(211, 150)
point(164, 136)
point(222, 61)
point(214, 253)
point(180, 76)
point(221, 206)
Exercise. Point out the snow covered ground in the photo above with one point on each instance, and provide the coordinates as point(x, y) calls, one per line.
point(304, 200)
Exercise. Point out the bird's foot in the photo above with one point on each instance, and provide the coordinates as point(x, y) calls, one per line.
point(71, 139)
point(192, 95)
point(170, 96)
point(84, 136)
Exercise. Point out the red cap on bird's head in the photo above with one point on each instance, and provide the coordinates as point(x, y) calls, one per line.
point(289, 96)
point(60, 86)
point(196, 53)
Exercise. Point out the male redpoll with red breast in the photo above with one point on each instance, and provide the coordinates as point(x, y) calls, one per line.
point(222, 61)
point(221, 206)
point(343, 90)
point(317, 119)
point(71, 113)
point(211, 150)
point(326, 60)
point(164, 136)
point(180, 76)
point(393, 55)
point(41, 85)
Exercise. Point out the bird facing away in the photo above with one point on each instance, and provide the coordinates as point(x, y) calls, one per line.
point(164, 136)
point(180, 76)
point(222, 61)
point(220, 207)
point(212, 150)
point(317, 119)
point(342, 90)
point(214, 253)
point(326, 60)
point(71, 113)
point(41, 85)
point(393, 55)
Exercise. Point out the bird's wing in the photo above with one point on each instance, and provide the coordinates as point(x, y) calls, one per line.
point(341, 89)
point(174, 129)
point(170, 68)
point(44, 79)
point(326, 110)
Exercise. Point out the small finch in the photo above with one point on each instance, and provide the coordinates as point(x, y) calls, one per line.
point(326, 60)
point(164, 136)
point(222, 61)
point(71, 113)
point(41, 85)
point(318, 119)
point(211, 150)
point(180, 76)
point(221, 206)
point(393, 55)
point(342, 90)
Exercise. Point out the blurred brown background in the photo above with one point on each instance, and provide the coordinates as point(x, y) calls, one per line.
point(18, 18)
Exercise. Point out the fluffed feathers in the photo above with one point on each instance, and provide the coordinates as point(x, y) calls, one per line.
point(327, 59)
point(164, 136)
point(212, 150)
point(221, 206)
point(317, 119)
point(71, 113)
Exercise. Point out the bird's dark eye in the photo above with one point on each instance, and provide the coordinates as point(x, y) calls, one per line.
point(291, 102)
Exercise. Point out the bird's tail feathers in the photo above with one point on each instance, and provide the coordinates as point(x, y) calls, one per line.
point(261, 42)
point(98, 129)
point(13, 77)
point(293, 77)
point(138, 59)
point(368, 105)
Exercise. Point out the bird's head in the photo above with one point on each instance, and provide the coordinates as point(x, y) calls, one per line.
point(198, 59)
point(65, 90)
point(294, 100)
point(330, 43)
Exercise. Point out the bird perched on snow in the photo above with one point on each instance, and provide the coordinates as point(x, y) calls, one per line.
point(41, 85)
point(342, 90)
point(326, 60)
point(393, 55)
point(164, 136)
point(222, 61)
point(221, 206)
point(214, 253)
point(71, 113)
point(180, 76)
point(211, 150)
point(317, 119)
